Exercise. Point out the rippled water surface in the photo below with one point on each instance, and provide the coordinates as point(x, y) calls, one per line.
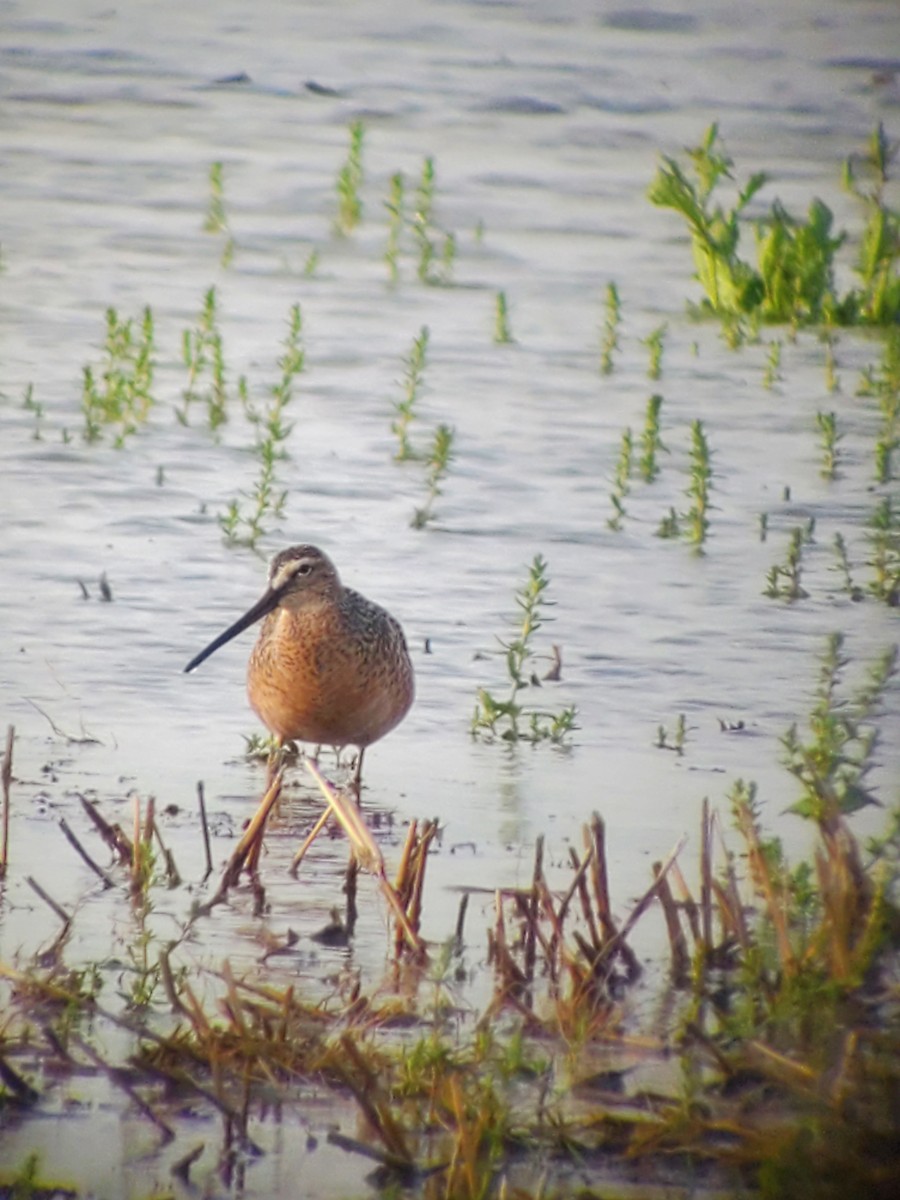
point(545, 123)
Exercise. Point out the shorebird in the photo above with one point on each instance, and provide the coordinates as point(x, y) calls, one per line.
point(329, 667)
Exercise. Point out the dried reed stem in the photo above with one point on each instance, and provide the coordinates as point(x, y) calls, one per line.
point(6, 778)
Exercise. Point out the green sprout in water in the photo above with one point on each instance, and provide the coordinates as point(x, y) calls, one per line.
point(827, 423)
point(772, 374)
point(651, 442)
point(216, 217)
point(122, 397)
point(654, 342)
point(783, 579)
point(202, 353)
point(437, 465)
point(611, 322)
point(883, 383)
point(843, 568)
point(349, 182)
point(696, 518)
point(884, 540)
point(246, 524)
point(394, 205)
point(502, 332)
point(405, 408)
point(676, 742)
point(509, 719)
point(621, 480)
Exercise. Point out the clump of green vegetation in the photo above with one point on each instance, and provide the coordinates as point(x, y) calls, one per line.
point(676, 741)
point(884, 383)
point(783, 579)
point(405, 407)
point(827, 423)
point(436, 247)
point(245, 524)
point(202, 352)
point(502, 332)
point(793, 279)
point(655, 341)
point(437, 464)
point(612, 319)
point(509, 719)
point(216, 217)
point(349, 183)
point(832, 767)
point(121, 400)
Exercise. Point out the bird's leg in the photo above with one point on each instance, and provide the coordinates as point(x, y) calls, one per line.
point(273, 766)
point(356, 777)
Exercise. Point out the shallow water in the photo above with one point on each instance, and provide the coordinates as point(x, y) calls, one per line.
point(546, 127)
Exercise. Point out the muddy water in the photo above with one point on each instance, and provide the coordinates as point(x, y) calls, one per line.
point(545, 124)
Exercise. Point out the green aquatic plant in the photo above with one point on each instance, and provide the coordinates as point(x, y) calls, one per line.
point(842, 566)
point(436, 248)
point(612, 319)
point(655, 341)
point(510, 720)
point(349, 183)
point(676, 741)
point(772, 374)
point(621, 480)
point(793, 279)
point(783, 579)
point(405, 407)
point(651, 442)
point(883, 536)
point(121, 399)
point(437, 464)
point(696, 519)
point(832, 766)
point(502, 332)
point(216, 220)
point(883, 382)
point(396, 218)
point(246, 519)
point(202, 353)
point(827, 423)
point(878, 302)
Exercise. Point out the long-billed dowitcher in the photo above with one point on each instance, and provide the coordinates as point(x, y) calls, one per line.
point(329, 667)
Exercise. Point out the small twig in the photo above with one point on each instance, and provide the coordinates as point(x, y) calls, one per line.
point(49, 901)
point(182, 1166)
point(6, 777)
point(113, 835)
point(204, 825)
point(77, 846)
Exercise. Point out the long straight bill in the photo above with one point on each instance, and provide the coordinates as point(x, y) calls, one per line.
point(259, 610)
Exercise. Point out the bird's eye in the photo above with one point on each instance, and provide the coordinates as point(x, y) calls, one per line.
point(304, 568)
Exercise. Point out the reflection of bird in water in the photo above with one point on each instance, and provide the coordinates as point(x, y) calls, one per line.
point(329, 667)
